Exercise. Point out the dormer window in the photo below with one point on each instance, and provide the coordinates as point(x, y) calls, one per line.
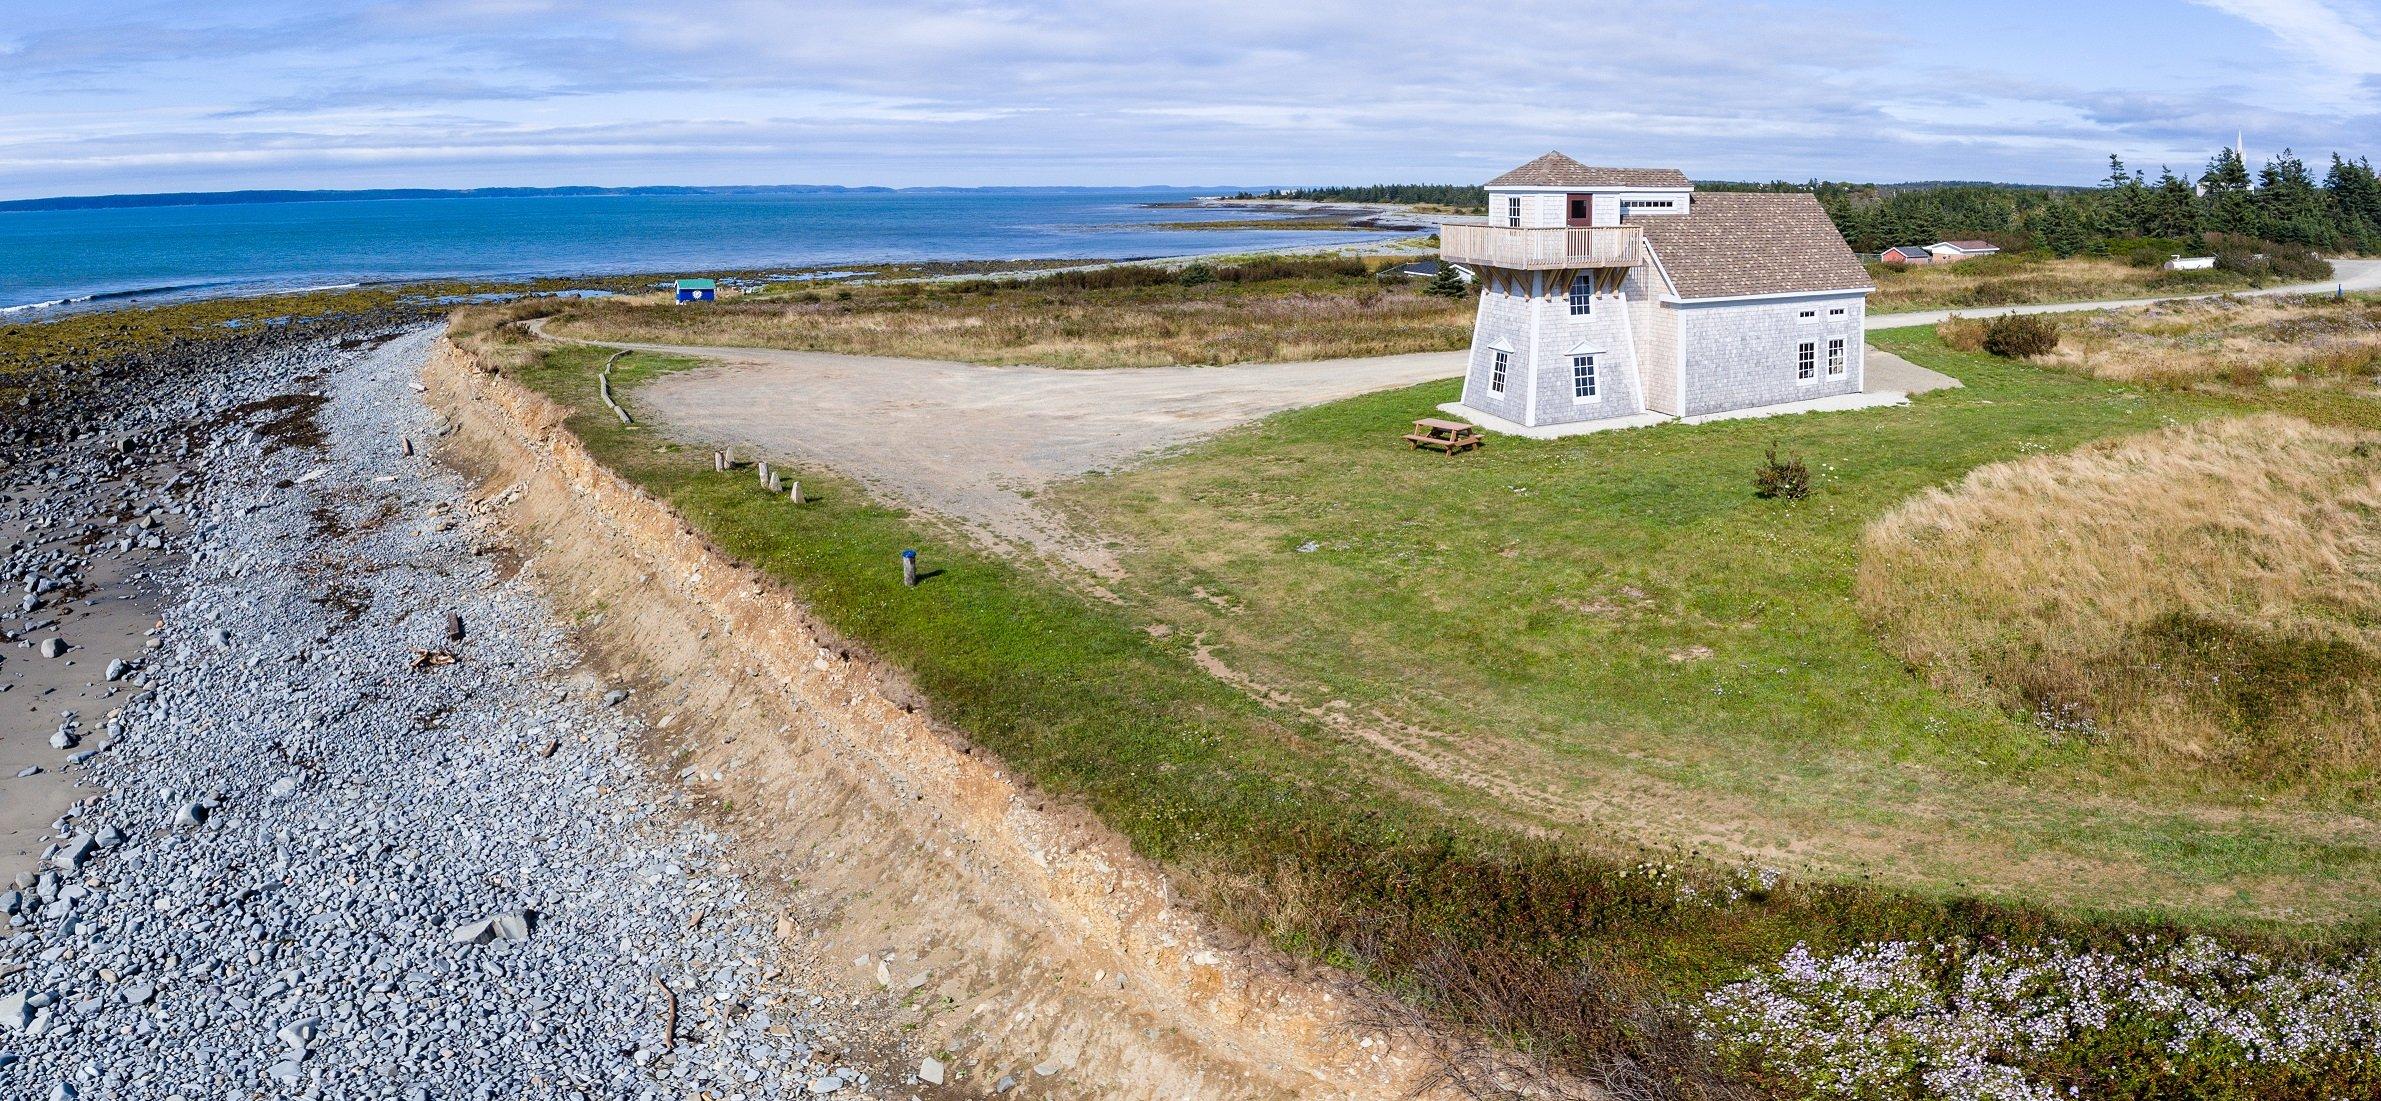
point(1583, 295)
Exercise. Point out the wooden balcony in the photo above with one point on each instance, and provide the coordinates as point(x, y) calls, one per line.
point(1540, 249)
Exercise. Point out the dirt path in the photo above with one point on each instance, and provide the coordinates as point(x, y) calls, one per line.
point(974, 443)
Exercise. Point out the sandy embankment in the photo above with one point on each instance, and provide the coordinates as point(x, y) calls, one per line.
point(1031, 941)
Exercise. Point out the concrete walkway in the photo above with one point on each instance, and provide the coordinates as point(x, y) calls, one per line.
point(1883, 371)
point(2352, 276)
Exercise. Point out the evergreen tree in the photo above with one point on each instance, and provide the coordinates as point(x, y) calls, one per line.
point(2289, 207)
point(1447, 283)
point(2226, 206)
point(2124, 207)
point(2061, 228)
point(2354, 195)
point(2172, 208)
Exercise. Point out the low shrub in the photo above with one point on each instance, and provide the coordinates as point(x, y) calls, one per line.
point(1778, 478)
point(1195, 275)
point(2266, 259)
point(2021, 336)
point(2150, 252)
point(1963, 333)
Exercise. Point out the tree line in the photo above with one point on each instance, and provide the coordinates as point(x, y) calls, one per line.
point(2283, 202)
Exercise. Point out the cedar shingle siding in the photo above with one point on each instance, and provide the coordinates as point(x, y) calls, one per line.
point(1709, 316)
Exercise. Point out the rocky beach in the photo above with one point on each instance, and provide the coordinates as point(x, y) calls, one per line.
point(305, 792)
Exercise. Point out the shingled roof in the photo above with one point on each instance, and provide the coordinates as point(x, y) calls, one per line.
point(1556, 170)
point(1737, 243)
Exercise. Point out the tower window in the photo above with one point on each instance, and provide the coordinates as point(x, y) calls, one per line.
point(1583, 378)
point(1513, 211)
point(1583, 295)
point(1496, 371)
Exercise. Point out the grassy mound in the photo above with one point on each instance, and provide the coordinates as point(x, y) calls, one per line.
point(2295, 340)
point(2207, 594)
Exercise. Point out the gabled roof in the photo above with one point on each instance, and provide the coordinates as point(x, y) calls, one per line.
point(1739, 243)
point(1969, 246)
point(1556, 170)
point(1911, 250)
point(698, 284)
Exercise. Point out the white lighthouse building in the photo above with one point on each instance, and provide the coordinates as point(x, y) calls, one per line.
point(1621, 296)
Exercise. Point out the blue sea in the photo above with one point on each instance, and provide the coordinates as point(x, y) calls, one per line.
point(56, 260)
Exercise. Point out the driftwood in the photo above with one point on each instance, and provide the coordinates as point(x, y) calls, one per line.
point(669, 1015)
point(423, 659)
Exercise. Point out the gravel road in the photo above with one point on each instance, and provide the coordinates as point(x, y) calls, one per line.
point(320, 859)
point(2353, 276)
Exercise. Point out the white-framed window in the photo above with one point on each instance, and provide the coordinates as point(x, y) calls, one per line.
point(1629, 206)
point(1806, 361)
point(1583, 379)
point(1583, 295)
point(1498, 361)
point(1513, 211)
point(1835, 359)
point(1807, 316)
point(1836, 312)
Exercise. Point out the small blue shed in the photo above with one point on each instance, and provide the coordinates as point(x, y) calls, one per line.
point(697, 290)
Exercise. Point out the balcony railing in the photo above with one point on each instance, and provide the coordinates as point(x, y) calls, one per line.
point(1540, 249)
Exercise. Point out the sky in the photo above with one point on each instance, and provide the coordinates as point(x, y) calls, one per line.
point(107, 96)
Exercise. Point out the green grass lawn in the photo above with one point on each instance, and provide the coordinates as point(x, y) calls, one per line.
point(1534, 714)
point(1609, 635)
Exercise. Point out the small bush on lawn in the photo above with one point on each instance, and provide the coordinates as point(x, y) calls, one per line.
point(1781, 478)
point(2021, 336)
point(1963, 333)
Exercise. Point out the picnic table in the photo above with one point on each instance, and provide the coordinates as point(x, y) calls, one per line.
point(1450, 437)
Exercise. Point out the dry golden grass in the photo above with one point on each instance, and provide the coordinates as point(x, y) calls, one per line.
point(2016, 280)
point(1032, 322)
point(2233, 340)
point(2205, 596)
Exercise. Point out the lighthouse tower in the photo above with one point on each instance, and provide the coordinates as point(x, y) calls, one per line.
point(1561, 268)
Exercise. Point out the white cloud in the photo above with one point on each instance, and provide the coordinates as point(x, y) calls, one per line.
point(168, 95)
point(2342, 40)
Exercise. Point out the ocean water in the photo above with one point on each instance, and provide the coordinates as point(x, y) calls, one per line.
point(65, 258)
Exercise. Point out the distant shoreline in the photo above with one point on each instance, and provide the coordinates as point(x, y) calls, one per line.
point(135, 201)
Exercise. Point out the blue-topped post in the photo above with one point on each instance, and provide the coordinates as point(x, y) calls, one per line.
point(909, 568)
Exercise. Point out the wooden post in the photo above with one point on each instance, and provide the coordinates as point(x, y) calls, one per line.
point(764, 469)
point(719, 461)
point(776, 482)
point(454, 627)
point(407, 445)
point(795, 494)
point(909, 568)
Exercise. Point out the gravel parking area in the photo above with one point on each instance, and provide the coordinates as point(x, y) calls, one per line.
point(334, 850)
point(974, 443)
